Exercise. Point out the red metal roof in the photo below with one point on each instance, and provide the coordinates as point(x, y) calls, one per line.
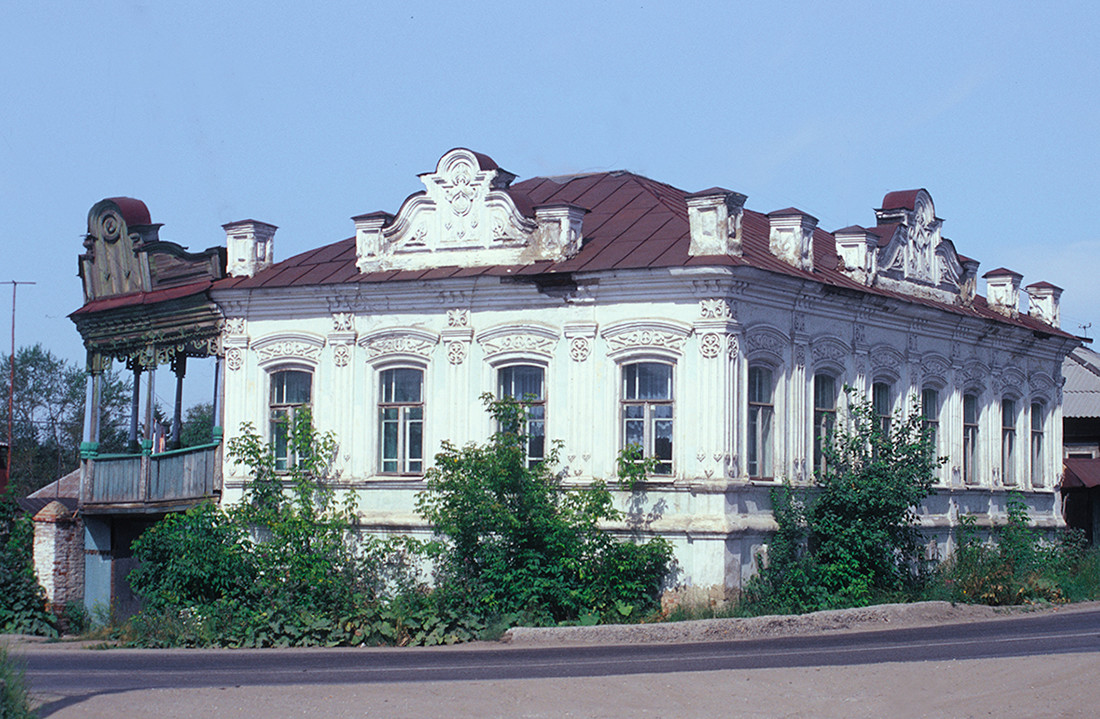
point(133, 210)
point(900, 200)
point(143, 298)
point(633, 222)
point(1081, 473)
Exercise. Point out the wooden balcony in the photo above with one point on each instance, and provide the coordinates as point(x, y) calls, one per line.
point(152, 483)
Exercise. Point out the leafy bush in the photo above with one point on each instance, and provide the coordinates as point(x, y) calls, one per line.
point(1017, 567)
point(22, 600)
point(286, 567)
point(196, 558)
point(516, 541)
point(852, 538)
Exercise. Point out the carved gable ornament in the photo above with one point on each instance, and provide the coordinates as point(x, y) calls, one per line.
point(916, 254)
point(464, 217)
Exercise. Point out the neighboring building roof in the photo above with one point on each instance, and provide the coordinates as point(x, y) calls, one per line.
point(633, 222)
point(1081, 392)
point(1081, 473)
point(65, 490)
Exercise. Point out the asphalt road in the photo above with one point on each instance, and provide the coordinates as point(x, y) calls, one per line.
point(74, 673)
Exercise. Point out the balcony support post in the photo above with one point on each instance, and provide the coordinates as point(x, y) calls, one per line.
point(179, 368)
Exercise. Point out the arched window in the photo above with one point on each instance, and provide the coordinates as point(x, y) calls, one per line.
point(970, 438)
point(761, 415)
point(525, 383)
point(824, 416)
point(1008, 442)
point(882, 405)
point(1038, 416)
point(647, 411)
point(401, 420)
point(930, 415)
point(290, 389)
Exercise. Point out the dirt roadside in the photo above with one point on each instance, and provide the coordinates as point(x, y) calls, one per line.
point(1042, 686)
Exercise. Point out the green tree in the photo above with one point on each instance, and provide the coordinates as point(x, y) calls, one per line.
point(198, 425)
point(48, 415)
point(853, 537)
point(516, 541)
point(22, 600)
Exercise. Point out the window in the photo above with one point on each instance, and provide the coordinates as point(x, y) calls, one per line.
point(647, 411)
point(761, 412)
point(881, 405)
point(1008, 442)
point(824, 416)
point(290, 389)
point(930, 416)
point(525, 383)
point(401, 421)
point(970, 437)
point(1037, 415)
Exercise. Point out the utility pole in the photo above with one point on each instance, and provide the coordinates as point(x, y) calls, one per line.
point(11, 378)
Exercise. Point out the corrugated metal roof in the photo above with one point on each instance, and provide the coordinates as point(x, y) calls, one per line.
point(1081, 392)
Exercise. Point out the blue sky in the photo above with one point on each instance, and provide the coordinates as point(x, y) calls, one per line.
point(214, 112)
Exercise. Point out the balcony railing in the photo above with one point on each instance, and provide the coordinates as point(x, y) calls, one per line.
point(147, 482)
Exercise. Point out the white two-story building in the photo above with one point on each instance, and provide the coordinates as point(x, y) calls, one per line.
point(716, 337)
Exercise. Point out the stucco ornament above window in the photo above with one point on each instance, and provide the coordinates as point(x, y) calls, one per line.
point(465, 217)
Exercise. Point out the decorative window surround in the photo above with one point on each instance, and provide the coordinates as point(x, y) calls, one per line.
point(519, 339)
point(657, 336)
point(399, 342)
point(288, 346)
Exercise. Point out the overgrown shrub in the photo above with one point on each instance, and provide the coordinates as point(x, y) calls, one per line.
point(22, 600)
point(852, 538)
point(516, 541)
point(1016, 566)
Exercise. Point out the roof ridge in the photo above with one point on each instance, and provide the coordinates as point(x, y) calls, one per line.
point(647, 182)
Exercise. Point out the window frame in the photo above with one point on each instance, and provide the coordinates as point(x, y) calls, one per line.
point(824, 419)
point(651, 417)
point(1008, 441)
point(760, 452)
point(1036, 437)
point(930, 419)
point(540, 404)
point(882, 404)
point(971, 436)
point(403, 424)
point(280, 414)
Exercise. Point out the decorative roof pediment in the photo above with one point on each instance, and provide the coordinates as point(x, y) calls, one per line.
point(464, 217)
point(914, 256)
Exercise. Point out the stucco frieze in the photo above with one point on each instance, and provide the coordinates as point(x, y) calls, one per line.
point(399, 341)
point(716, 308)
point(767, 340)
point(935, 366)
point(288, 345)
point(343, 322)
point(828, 349)
point(646, 334)
point(524, 338)
point(885, 357)
point(236, 326)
